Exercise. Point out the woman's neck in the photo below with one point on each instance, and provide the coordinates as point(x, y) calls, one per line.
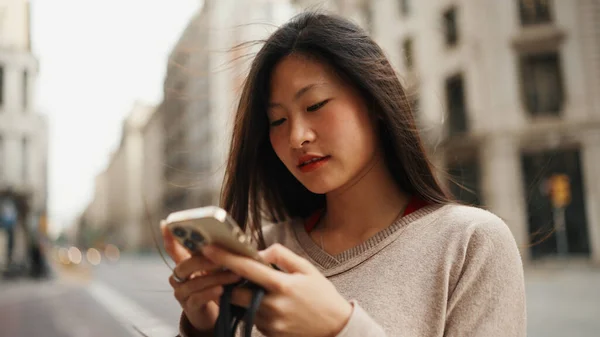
point(364, 207)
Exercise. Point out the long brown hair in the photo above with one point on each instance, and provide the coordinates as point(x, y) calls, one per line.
point(257, 185)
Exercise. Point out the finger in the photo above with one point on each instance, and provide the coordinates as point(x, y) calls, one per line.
point(176, 251)
point(197, 281)
point(247, 268)
point(266, 318)
point(199, 299)
point(186, 289)
point(287, 260)
point(193, 264)
point(241, 296)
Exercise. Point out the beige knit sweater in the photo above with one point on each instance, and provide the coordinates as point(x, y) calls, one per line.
point(440, 271)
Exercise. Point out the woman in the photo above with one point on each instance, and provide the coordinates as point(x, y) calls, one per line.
point(325, 147)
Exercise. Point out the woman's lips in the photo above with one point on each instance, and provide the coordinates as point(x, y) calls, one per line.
point(311, 163)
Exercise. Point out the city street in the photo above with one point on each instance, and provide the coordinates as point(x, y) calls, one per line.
point(113, 114)
point(133, 298)
point(563, 300)
point(129, 298)
point(53, 309)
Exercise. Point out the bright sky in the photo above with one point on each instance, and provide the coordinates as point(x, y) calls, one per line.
point(97, 57)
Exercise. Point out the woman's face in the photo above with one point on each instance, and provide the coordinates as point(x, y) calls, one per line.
point(319, 125)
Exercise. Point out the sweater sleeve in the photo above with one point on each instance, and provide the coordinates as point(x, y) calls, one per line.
point(488, 298)
point(361, 324)
point(186, 329)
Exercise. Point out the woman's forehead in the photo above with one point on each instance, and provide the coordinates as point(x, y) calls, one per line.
point(295, 72)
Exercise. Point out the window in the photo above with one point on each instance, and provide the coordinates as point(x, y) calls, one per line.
point(25, 89)
point(542, 84)
point(533, 12)
point(1, 85)
point(407, 48)
point(404, 7)
point(450, 27)
point(455, 101)
point(24, 158)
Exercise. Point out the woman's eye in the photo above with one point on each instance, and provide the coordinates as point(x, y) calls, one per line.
point(278, 122)
point(317, 106)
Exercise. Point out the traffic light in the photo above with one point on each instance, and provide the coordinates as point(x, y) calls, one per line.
point(560, 190)
point(43, 225)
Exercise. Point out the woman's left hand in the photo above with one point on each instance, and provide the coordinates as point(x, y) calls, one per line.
point(300, 302)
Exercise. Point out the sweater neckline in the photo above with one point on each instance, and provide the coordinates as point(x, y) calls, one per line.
point(362, 251)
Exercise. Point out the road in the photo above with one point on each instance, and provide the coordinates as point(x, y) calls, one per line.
point(563, 300)
point(139, 290)
point(54, 310)
point(124, 299)
point(133, 298)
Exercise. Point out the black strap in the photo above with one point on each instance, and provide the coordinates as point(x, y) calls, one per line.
point(230, 315)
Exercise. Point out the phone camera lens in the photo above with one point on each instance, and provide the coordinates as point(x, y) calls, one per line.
point(197, 237)
point(189, 244)
point(179, 232)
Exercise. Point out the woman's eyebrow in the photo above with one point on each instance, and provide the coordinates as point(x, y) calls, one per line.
point(301, 92)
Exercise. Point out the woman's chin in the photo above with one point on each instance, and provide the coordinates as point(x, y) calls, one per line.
point(318, 188)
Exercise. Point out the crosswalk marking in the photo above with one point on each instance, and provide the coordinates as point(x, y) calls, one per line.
point(136, 319)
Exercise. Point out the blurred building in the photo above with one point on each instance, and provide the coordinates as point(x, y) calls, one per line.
point(238, 29)
point(114, 215)
point(359, 11)
point(176, 154)
point(507, 94)
point(204, 75)
point(23, 132)
point(92, 224)
point(187, 137)
point(153, 184)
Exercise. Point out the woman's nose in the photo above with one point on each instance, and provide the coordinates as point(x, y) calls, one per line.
point(301, 134)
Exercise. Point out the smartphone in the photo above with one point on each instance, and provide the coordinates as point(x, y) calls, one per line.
point(194, 228)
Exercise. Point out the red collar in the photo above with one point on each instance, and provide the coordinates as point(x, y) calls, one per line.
point(414, 204)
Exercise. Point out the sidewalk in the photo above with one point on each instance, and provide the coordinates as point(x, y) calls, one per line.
point(563, 298)
point(54, 308)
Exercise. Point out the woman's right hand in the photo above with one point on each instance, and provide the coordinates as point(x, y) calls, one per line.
point(199, 294)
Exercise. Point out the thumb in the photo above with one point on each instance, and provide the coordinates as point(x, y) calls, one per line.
point(287, 260)
point(176, 251)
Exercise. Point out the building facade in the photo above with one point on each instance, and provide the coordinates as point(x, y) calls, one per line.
point(184, 113)
point(506, 94)
point(185, 140)
point(23, 131)
point(92, 223)
point(153, 185)
point(204, 77)
point(115, 213)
